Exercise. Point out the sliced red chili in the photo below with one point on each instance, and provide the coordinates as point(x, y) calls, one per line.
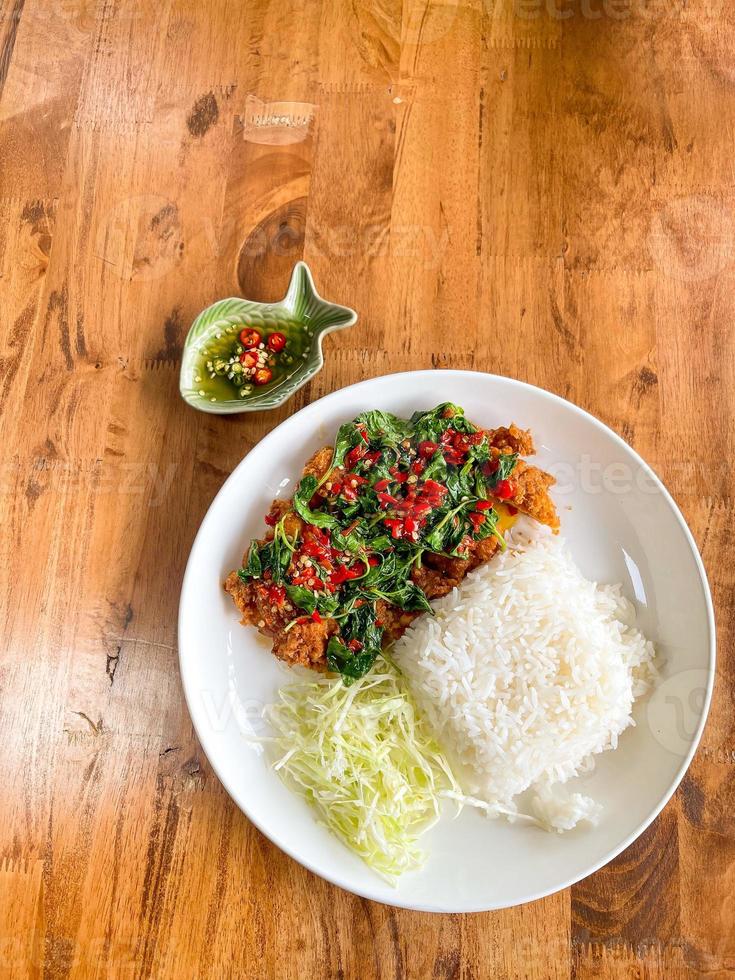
point(395, 525)
point(271, 520)
point(512, 510)
point(316, 617)
point(381, 485)
point(427, 448)
point(503, 489)
point(249, 359)
point(432, 487)
point(277, 341)
point(250, 337)
point(355, 454)
point(483, 505)
point(262, 376)
point(276, 594)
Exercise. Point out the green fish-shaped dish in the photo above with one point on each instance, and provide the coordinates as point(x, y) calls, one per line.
point(216, 372)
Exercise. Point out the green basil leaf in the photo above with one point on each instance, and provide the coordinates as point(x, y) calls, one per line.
point(351, 666)
point(302, 598)
point(384, 428)
point(347, 437)
point(253, 567)
point(506, 465)
point(304, 492)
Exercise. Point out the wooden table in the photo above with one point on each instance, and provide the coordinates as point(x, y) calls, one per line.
point(505, 185)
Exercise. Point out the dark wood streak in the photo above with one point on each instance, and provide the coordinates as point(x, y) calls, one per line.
point(6, 52)
point(161, 843)
point(632, 896)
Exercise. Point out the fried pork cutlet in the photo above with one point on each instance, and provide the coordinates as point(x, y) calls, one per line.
point(300, 638)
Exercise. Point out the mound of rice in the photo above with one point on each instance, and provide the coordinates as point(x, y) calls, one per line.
point(525, 672)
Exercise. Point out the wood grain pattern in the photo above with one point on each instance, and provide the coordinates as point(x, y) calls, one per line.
point(562, 174)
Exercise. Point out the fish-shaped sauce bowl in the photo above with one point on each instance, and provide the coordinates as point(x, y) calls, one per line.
point(225, 366)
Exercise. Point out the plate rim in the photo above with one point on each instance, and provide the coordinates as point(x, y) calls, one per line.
point(366, 893)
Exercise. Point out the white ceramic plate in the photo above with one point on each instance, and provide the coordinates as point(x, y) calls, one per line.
point(621, 525)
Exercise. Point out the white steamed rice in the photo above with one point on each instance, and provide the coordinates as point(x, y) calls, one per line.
point(525, 672)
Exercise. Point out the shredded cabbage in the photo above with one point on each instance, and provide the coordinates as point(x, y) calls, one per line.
point(364, 757)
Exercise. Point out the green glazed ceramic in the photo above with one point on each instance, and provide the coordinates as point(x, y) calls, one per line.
point(302, 315)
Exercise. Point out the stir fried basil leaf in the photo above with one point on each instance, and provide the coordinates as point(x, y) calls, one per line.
point(506, 465)
point(351, 666)
point(304, 492)
point(347, 437)
point(253, 567)
point(407, 596)
point(275, 557)
point(436, 469)
point(383, 428)
point(302, 598)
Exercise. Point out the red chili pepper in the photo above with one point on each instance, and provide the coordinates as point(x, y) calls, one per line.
point(250, 337)
point(491, 467)
point(504, 489)
point(483, 505)
point(355, 645)
point(395, 525)
point(475, 438)
point(512, 510)
point(381, 485)
point(271, 520)
point(427, 448)
point(373, 561)
point(277, 341)
point(249, 359)
point(276, 594)
point(373, 456)
point(316, 617)
point(417, 467)
point(262, 376)
point(355, 455)
point(432, 487)
point(343, 574)
point(387, 500)
point(410, 525)
point(477, 520)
